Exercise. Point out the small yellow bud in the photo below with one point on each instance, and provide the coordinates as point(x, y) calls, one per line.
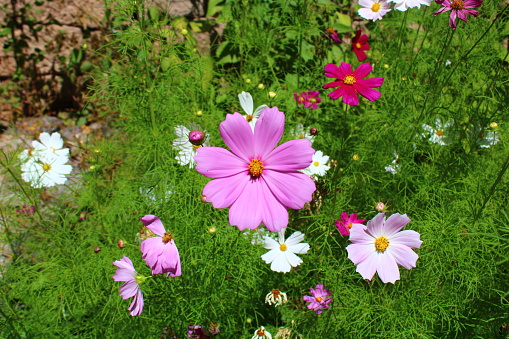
point(198, 113)
point(249, 320)
point(212, 230)
point(380, 206)
point(92, 168)
point(248, 81)
point(272, 94)
point(85, 46)
point(184, 31)
point(403, 78)
point(493, 125)
point(355, 157)
point(261, 86)
point(386, 66)
point(97, 150)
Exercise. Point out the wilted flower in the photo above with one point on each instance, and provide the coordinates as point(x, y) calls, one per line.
point(308, 99)
point(359, 45)
point(318, 166)
point(403, 5)
point(346, 222)
point(261, 333)
point(374, 9)
point(276, 297)
point(246, 102)
point(126, 272)
point(319, 300)
point(187, 147)
point(213, 328)
point(282, 253)
point(439, 134)
point(459, 9)
point(196, 332)
point(381, 247)
point(485, 137)
point(332, 34)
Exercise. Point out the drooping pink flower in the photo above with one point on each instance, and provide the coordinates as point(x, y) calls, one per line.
point(319, 300)
point(359, 45)
point(332, 34)
point(352, 82)
point(257, 180)
point(346, 222)
point(381, 247)
point(459, 9)
point(160, 253)
point(126, 272)
point(308, 99)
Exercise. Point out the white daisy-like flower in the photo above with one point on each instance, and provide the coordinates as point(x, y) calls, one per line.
point(187, 150)
point(318, 166)
point(51, 144)
point(276, 298)
point(485, 137)
point(298, 132)
point(46, 171)
point(246, 102)
point(440, 134)
point(282, 254)
point(403, 5)
point(261, 333)
point(393, 167)
point(374, 9)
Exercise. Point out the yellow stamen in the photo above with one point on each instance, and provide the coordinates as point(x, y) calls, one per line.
point(318, 299)
point(276, 293)
point(316, 163)
point(196, 146)
point(46, 167)
point(358, 45)
point(376, 7)
point(255, 168)
point(350, 79)
point(330, 30)
point(440, 133)
point(283, 247)
point(312, 100)
point(381, 244)
point(167, 237)
point(249, 117)
point(349, 225)
point(457, 4)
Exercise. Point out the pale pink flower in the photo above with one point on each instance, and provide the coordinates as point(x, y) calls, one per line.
point(257, 180)
point(126, 272)
point(160, 253)
point(320, 299)
point(346, 222)
point(380, 247)
point(374, 9)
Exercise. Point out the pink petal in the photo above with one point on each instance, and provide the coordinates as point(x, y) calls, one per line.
point(441, 10)
point(238, 136)
point(247, 210)
point(403, 255)
point(462, 15)
point(291, 189)
point(472, 3)
point(361, 56)
point(359, 235)
point(333, 71)
point(152, 248)
point(358, 253)
point(338, 93)
point(333, 84)
point(123, 275)
point(367, 267)
point(154, 224)
point(394, 224)
point(345, 69)
point(407, 238)
point(223, 192)
point(375, 226)
point(293, 155)
point(471, 12)
point(268, 131)
point(125, 262)
point(136, 306)
point(387, 268)
point(367, 92)
point(170, 259)
point(452, 19)
point(362, 71)
point(274, 214)
point(128, 289)
point(371, 82)
point(350, 97)
point(217, 162)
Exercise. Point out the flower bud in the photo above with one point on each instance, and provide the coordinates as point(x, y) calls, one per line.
point(272, 94)
point(355, 157)
point(203, 198)
point(184, 31)
point(261, 86)
point(493, 125)
point(380, 206)
point(97, 249)
point(313, 131)
point(196, 137)
point(198, 113)
point(121, 243)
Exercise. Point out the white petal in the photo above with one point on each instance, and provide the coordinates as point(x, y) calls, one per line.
point(246, 102)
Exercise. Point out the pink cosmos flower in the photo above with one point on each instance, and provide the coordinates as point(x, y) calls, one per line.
point(332, 34)
point(359, 45)
point(345, 224)
point(257, 180)
point(126, 272)
point(320, 299)
point(308, 99)
point(459, 9)
point(380, 247)
point(352, 82)
point(160, 253)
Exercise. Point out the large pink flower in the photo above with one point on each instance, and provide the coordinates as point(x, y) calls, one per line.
point(459, 9)
point(160, 253)
point(257, 180)
point(126, 272)
point(380, 247)
point(352, 82)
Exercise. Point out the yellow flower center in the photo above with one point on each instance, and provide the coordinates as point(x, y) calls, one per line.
point(53, 149)
point(276, 293)
point(46, 167)
point(358, 45)
point(313, 100)
point(457, 4)
point(330, 30)
point(196, 146)
point(349, 225)
point(350, 79)
point(440, 133)
point(376, 7)
point(381, 244)
point(260, 333)
point(249, 117)
point(283, 247)
point(318, 299)
point(316, 163)
point(167, 237)
point(255, 168)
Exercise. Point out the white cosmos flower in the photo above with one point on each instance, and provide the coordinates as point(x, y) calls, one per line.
point(393, 167)
point(186, 149)
point(403, 5)
point(51, 144)
point(261, 333)
point(276, 297)
point(485, 137)
point(318, 166)
point(440, 134)
point(374, 9)
point(282, 254)
point(246, 102)
point(46, 171)
point(298, 132)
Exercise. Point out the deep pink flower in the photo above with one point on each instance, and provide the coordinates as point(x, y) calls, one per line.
point(359, 45)
point(352, 82)
point(126, 272)
point(308, 99)
point(160, 253)
point(196, 332)
point(380, 247)
point(459, 9)
point(320, 299)
point(332, 34)
point(345, 224)
point(257, 180)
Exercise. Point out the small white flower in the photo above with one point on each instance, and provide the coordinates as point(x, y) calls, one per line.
point(276, 297)
point(374, 9)
point(282, 254)
point(298, 132)
point(46, 171)
point(403, 5)
point(485, 137)
point(440, 134)
point(393, 167)
point(186, 149)
point(246, 102)
point(318, 166)
point(261, 333)
point(51, 144)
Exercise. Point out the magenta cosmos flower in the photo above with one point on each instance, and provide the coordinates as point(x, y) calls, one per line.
point(346, 222)
point(126, 272)
point(359, 45)
point(380, 247)
point(308, 99)
point(257, 180)
point(319, 300)
point(352, 82)
point(160, 253)
point(459, 9)
point(332, 34)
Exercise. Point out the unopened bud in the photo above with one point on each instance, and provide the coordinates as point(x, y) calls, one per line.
point(272, 94)
point(121, 243)
point(355, 157)
point(184, 31)
point(198, 113)
point(313, 131)
point(261, 86)
point(212, 230)
point(97, 249)
point(203, 198)
point(196, 137)
point(493, 125)
point(248, 81)
point(380, 206)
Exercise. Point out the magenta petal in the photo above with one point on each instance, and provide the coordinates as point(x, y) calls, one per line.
point(154, 224)
point(362, 71)
point(367, 92)
point(452, 19)
point(333, 71)
point(471, 12)
point(247, 210)
point(291, 189)
point(338, 93)
point(395, 223)
point(350, 96)
point(462, 15)
point(293, 155)
point(407, 238)
point(333, 84)
point(367, 268)
point(223, 192)
point(467, 4)
point(238, 135)
point(403, 255)
point(345, 69)
point(268, 131)
point(387, 268)
point(217, 162)
point(274, 214)
point(372, 82)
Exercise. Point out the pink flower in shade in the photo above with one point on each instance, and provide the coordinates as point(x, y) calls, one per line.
point(126, 272)
point(459, 9)
point(380, 247)
point(345, 224)
point(160, 253)
point(308, 99)
point(332, 34)
point(359, 45)
point(257, 180)
point(352, 82)
point(320, 299)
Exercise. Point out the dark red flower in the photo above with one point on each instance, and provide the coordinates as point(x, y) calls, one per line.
point(359, 45)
